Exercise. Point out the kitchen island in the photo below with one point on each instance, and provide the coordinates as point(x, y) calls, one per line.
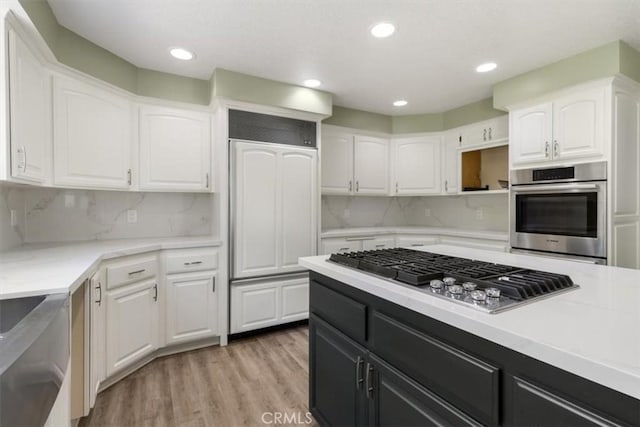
point(383, 352)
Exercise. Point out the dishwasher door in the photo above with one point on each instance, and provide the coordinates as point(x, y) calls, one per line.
point(34, 352)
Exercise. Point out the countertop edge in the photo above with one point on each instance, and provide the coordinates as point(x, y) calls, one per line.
point(461, 317)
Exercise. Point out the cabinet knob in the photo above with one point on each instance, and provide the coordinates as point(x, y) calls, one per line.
point(129, 177)
point(490, 137)
point(446, 185)
point(396, 187)
point(350, 186)
point(484, 135)
point(207, 180)
point(357, 186)
point(546, 149)
point(555, 148)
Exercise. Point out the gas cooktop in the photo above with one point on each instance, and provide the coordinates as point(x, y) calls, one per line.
point(483, 285)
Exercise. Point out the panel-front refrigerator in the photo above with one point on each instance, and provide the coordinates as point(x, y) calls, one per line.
point(273, 222)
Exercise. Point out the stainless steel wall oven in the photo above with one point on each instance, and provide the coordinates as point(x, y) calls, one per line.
point(560, 210)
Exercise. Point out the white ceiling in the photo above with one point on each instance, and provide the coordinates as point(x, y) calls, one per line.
point(429, 62)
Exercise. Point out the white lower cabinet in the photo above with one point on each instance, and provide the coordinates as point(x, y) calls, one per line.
point(382, 242)
point(132, 324)
point(256, 305)
point(488, 245)
point(409, 241)
point(98, 366)
point(191, 306)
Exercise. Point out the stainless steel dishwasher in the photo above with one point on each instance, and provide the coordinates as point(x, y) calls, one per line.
point(34, 353)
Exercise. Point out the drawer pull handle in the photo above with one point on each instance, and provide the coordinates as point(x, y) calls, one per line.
point(155, 296)
point(193, 263)
point(369, 380)
point(359, 379)
point(344, 249)
point(213, 279)
point(417, 244)
point(137, 272)
point(381, 245)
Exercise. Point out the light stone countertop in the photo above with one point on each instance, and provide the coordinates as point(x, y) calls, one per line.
point(41, 269)
point(502, 236)
point(593, 332)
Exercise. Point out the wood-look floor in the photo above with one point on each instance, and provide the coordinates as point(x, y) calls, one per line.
point(216, 386)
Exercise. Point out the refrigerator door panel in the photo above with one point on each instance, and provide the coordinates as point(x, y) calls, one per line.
point(273, 208)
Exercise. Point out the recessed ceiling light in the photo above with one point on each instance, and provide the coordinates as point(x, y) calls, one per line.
point(383, 29)
point(312, 83)
point(180, 53)
point(400, 103)
point(487, 66)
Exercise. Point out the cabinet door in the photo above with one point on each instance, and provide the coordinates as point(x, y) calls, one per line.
point(578, 125)
point(337, 381)
point(298, 216)
point(30, 118)
point(294, 296)
point(98, 363)
point(337, 163)
point(401, 401)
point(379, 243)
point(488, 245)
point(254, 306)
point(451, 165)
point(498, 128)
point(417, 166)
point(92, 137)
point(531, 134)
point(175, 148)
point(257, 198)
point(191, 305)
point(415, 241)
point(371, 165)
point(340, 245)
point(132, 324)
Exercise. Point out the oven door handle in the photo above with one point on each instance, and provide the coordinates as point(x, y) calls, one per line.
point(553, 187)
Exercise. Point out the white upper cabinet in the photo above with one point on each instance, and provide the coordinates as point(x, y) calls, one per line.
point(531, 134)
point(578, 122)
point(354, 164)
point(485, 132)
point(371, 165)
point(568, 128)
point(450, 163)
point(337, 163)
point(175, 147)
point(417, 166)
point(93, 135)
point(30, 117)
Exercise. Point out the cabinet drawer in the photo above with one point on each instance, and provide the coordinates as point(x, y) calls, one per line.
point(131, 270)
point(342, 312)
point(467, 382)
point(185, 261)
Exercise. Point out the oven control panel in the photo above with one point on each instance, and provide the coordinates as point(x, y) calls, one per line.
point(553, 174)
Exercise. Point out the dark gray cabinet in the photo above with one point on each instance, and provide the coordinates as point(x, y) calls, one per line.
point(337, 365)
point(376, 363)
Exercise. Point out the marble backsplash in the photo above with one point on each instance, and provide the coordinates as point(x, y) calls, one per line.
point(11, 198)
point(54, 215)
point(474, 212)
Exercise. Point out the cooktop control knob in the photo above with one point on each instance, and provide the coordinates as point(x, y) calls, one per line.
point(449, 281)
point(493, 292)
point(478, 297)
point(455, 290)
point(469, 286)
point(436, 284)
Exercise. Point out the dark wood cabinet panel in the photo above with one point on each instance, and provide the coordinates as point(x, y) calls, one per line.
point(400, 401)
point(336, 371)
point(346, 314)
point(465, 381)
point(535, 406)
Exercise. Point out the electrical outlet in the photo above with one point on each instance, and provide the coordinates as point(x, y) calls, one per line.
point(132, 216)
point(14, 218)
point(427, 212)
point(69, 200)
point(346, 213)
point(479, 214)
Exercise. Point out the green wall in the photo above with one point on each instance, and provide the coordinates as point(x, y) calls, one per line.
point(418, 123)
point(359, 119)
point(471, 113)
point(604, 61)
point(243, 87)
